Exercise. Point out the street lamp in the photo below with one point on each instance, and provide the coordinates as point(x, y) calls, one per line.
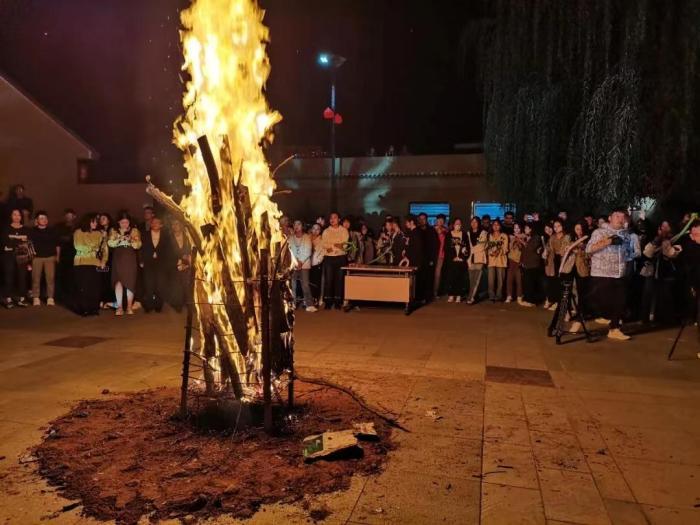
point(332, 63)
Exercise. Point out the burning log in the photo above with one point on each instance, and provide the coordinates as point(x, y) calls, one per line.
point(228, 210)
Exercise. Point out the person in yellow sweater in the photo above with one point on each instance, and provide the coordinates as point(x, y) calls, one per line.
point(91, 253)
point(125, 240)
point(497, 252)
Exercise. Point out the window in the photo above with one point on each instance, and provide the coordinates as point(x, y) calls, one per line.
point(495, 210)
point(431, 209)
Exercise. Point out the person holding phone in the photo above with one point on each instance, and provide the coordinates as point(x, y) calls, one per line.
point(14, 239)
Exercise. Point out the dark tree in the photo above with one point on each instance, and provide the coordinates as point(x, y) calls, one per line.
point(589, 102)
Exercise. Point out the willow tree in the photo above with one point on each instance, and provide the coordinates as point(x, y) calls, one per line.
point(588, 103)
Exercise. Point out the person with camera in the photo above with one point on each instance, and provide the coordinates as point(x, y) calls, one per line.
point(16, 257)
point(610, 248)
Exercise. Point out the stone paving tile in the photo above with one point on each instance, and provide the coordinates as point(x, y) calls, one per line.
point(558, 451)
point(548, 416)
point(512, 505)
point(572, 497)
point(625, 512)
point(506, 429)
point(436, 455)
point(668, 445)
point(509, 464)
point(504, 400)
point(662, 484)
point(667, 516)
point(400, 497)
point(608, 477)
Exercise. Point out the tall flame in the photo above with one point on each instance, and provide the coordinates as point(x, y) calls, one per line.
point(224, 45)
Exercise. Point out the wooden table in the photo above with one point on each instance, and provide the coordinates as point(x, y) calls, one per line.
point(392, 284)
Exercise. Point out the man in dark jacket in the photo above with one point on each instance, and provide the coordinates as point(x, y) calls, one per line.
point(414, 252)
point(157, 264)
point(431, 249)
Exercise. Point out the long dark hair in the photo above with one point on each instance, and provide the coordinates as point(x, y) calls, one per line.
point(120, 216)
point(500, 225)
point(85, 220)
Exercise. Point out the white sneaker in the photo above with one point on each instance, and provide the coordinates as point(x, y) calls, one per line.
point(36, 302)
point(552, 307)
point(458, 299)
point(575, 327)
point(616, 333)
point(50, 302)
point(602, 320)
point(523, 302)
point(451, 299)
point(311, 309)
point(509, 299)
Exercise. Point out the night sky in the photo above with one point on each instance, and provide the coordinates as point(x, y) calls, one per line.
point(109, 69)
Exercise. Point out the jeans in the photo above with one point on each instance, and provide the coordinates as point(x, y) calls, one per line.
point(303, 277)
point(15, 277)
point(475, 273)
point(514, 280)
point(333, 279)
point(496, 278)
point(46, 265)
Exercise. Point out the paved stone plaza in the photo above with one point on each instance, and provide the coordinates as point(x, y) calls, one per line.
point(505, 427)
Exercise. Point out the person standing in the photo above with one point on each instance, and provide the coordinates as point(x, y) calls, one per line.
point(610, 247)
point(477, 239)
point(302, 250)
point(47, 253)
point(104, 223)
point(497, 251)
point(89, 257)
point(16, 258)
point(125, 240)
point(430, 253)
point(18, 200)
point(182, 290)
point(64, 271)
point(531, 261)
point(334, 239)
point(558, 242)
point(514, 279)
point(442, 233)
point(156, 264)
point(582, 267)
point(508, 223)
point(316, 271)
point(414, 255)
point(456, 251)
point(369, 251)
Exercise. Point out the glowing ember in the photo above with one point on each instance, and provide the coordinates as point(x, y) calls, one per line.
point(224, 50)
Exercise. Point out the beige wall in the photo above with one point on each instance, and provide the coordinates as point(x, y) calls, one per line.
point(375, 186)
point(38, 152)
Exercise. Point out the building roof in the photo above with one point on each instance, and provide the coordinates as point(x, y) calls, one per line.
point(4, 78)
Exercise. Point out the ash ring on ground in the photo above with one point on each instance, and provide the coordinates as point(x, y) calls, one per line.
point(126, 457)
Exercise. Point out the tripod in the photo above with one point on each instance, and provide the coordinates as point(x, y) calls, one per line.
point(567, 306)
point(684, 322)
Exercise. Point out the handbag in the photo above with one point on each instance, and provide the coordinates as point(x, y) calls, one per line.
point(25, 252)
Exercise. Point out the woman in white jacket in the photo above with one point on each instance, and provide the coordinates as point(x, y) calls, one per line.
point(476, 261)
point(301, 246)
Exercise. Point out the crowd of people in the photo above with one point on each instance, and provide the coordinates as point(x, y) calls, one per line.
point(92, 263)
point(620, 270)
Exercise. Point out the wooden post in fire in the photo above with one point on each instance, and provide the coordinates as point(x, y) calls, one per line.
point(265, 334)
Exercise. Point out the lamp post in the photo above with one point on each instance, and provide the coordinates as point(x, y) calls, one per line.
point(332, 63)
